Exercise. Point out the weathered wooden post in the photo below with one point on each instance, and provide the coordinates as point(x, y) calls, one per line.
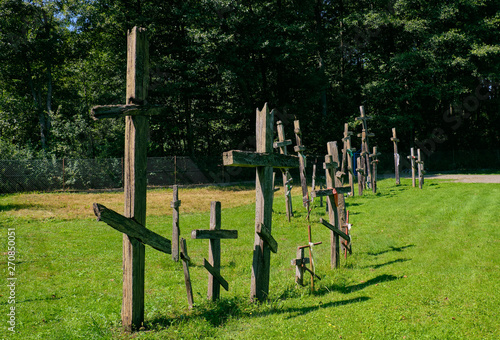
point(365, 149)
point(420, 165)
point(263, 160)
point(187, 278)
point(347, 155)
point(299, 149)
point(395, 141)
point(374, 157)
point(361, 174)
point(282, 144)
point(413, 162)
point(176, 203)
point(215, 234)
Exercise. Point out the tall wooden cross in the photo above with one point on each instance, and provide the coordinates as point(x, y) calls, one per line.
point(136, 132)
point(395, 141)
point(282, 144)
point(360, 169)
point(263, 160)
point(347, 155)
point(299, 149)
point(365, 150)
point(335, 199)
point(215, 234)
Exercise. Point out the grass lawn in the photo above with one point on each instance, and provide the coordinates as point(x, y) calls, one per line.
point(425, 265)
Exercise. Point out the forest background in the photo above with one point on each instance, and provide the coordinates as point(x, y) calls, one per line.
point(428, 68)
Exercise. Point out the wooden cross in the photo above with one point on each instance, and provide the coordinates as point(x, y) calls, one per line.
point(215, 234)
point(365, 150)
point(395, 141)
point(301, 261)
point(282, 144)
point(176, 203)
point(334, 194)
point(360, 162)
point(338, 233)
point(299, 149)
point(136, 134)
point(263, 160)
point(374, 157)
point(347, 155)
point(421, 171)
point(413, 166)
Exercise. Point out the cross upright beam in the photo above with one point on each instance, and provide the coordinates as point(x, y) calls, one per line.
point(395, 141)
point(365, 150)
point(299, 149)
point(347, 155)
point(282, 144)
point(413, 161)
point(374, 157)
point(264, 161)
point(176, 203)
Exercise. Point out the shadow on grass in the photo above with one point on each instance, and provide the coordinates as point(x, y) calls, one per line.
point(9, 207)
point(299, 311)
point(354, 288)
point(376, 266)
point(397, 249)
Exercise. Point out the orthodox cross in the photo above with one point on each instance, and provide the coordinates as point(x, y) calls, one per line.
point(299, 149)
point(215, 234)
point(395, 141)
point(264, 161)
point(365, 151)
point(134, 220)
point(282, 144)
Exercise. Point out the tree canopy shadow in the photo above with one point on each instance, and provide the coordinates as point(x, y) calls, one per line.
point(397, 249)
point(344, 289)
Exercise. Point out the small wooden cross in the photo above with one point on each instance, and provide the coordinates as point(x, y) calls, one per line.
point(374, 157)
point(215, 234)
point(338, 233)
point(365, 150)
point(282, 144)
point(395, 141)
point(299, 149)
point(263, 160)
point(176, 203)
point(413, 160)
point(301, 261)
point(347, 155)
point(136, 133)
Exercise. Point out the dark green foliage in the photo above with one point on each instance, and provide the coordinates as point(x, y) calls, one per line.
point(429, 69)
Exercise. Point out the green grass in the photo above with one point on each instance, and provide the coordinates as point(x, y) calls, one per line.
point(426, 264)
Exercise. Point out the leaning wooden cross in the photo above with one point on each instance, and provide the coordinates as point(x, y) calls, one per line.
point(264, 161)
point(281, 144)
point(395, 141)
point(215, 234)
point(334, 194)
point(136, 135)
point(176, 203)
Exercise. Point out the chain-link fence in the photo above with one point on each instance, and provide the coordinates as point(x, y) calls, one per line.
point(85, 174)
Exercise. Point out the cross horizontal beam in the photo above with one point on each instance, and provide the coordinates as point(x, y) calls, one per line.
point(335, 230)
point(114, 111)
point(215, 234)
point(255, 159)
point(132, 228)
point(264, 234)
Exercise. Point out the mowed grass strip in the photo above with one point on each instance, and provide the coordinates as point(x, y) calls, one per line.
point(425, 265)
